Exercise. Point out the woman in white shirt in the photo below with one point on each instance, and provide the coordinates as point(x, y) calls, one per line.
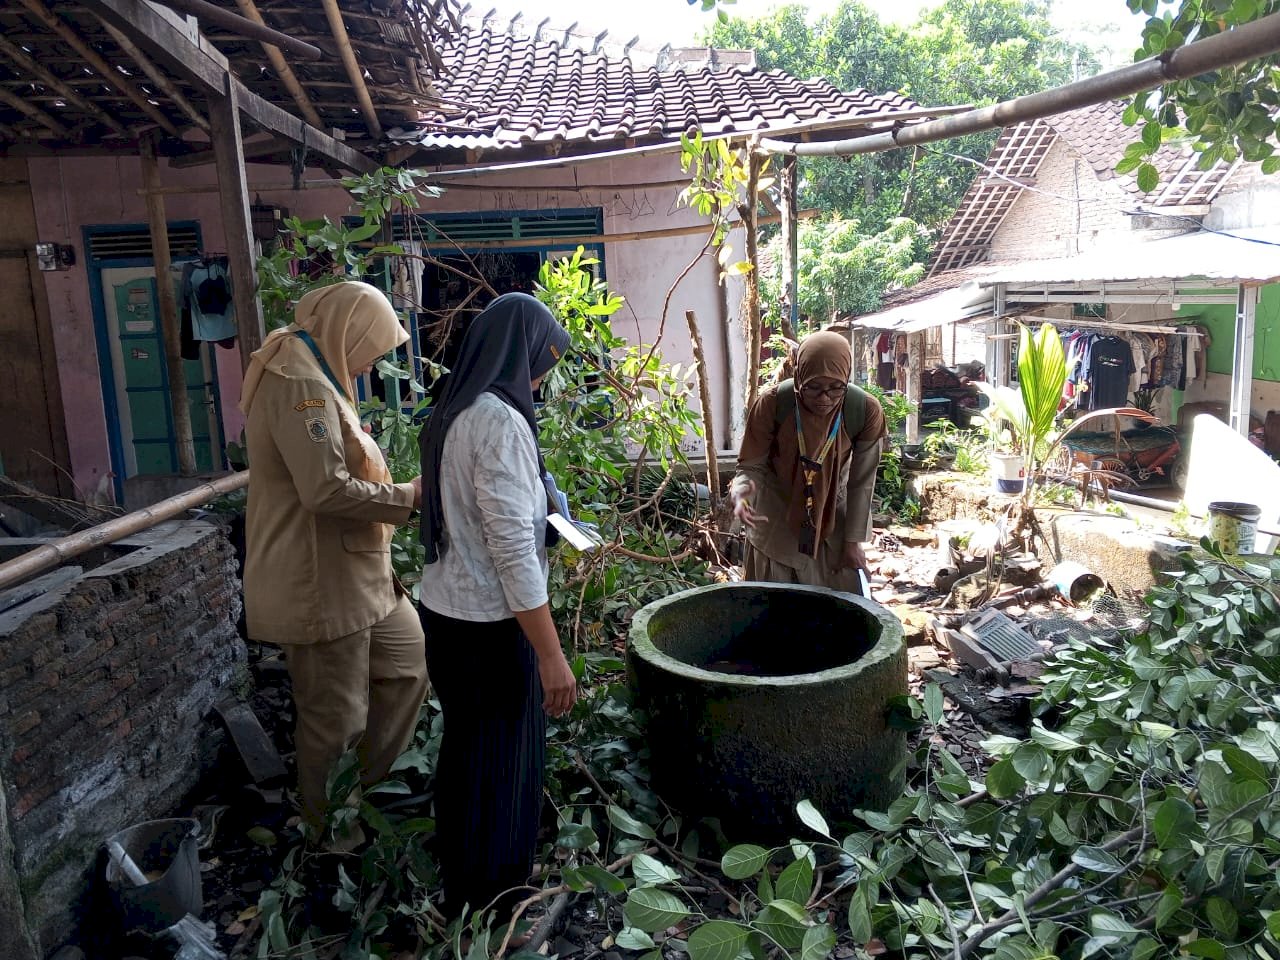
point(493, 653)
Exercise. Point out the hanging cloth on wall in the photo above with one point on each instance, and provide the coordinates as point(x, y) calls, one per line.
point(207, 302)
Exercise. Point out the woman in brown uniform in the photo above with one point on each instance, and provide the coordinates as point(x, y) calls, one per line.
point(807, 471)
point(322, 508)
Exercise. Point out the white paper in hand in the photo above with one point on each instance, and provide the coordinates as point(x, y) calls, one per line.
point(581, 539)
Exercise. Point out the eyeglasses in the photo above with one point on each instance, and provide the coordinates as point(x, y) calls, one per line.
point(814, 391)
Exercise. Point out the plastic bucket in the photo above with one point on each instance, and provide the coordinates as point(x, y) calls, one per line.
point(166, 851)
point(1007, 472)
point(1233, 526)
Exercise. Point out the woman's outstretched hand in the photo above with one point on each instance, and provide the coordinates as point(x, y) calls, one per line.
point(743, 493)
point(559, 686)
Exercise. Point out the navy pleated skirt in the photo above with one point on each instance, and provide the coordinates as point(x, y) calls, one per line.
point(490, 774)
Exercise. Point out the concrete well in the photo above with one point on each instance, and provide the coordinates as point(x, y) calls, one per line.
point(759, 695)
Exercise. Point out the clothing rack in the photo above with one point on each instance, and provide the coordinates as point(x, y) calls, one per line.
point(1163, 330)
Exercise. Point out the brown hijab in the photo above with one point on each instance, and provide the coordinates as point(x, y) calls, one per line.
point(820, 355)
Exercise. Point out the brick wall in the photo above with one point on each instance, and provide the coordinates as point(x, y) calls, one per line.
point(1069, 211)
point(106, 690)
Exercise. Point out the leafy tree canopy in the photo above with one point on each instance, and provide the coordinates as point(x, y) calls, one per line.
point(960, 52)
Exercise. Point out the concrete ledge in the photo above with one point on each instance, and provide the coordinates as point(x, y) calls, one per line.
point(1129, 555)
point(1120, 550)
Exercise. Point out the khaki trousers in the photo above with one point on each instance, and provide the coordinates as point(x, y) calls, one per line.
point(363, 690)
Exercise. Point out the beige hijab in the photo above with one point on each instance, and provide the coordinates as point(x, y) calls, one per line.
point(353, 324)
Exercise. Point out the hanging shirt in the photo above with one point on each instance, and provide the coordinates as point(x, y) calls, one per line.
point(1110, 365)
point(207, 293)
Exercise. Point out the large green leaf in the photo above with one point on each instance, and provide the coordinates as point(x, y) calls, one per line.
point(795, 882)
point(743, 861)
point(811, 818)
point(784, 922)
point(818, 942)
point(629, 824)
point(651, 910)
point(1175, 823)
point(1042, 373)
point(717, 940)
point(650, 872)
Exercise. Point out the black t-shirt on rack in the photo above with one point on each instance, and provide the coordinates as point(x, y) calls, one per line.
point(1110, 366)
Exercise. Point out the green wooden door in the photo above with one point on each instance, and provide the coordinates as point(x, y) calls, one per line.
point(142, 383)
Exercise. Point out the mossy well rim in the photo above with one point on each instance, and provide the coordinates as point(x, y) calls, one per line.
point(887, 643)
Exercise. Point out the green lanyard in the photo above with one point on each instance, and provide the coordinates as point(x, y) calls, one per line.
point(324, 364)
point(811, 467)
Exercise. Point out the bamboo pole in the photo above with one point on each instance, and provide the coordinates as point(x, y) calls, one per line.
point(708, 415)
point(282, 69)
point(213, 14)
point(59, 551)
point(749, 215)
point(354, 73)
point(179, 400)
point(1246, 42)
point(95, 60)
point(165, 85)
point(18, 56)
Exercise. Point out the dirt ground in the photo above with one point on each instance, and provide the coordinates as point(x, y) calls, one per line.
point(247, 829)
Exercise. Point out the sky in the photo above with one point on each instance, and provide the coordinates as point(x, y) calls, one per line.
point(658, 22)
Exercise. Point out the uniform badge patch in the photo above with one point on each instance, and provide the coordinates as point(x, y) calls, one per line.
point(309, 403)
point(317, 430)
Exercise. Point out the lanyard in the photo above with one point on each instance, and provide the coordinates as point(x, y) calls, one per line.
point(826, 446)
point(810, 468)
point(324, 364)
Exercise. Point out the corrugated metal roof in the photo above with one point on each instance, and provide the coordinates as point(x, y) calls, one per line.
point(963, 302)
point(1241, 256)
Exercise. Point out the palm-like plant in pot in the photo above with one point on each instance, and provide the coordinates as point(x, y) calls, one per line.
point(1030, 414)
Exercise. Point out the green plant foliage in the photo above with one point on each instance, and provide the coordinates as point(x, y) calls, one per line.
point(608, 401)
point(1227, 114)
point(957, 52)
point(844, 270)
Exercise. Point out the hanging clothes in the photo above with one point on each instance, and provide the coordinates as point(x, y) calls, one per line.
point(207, 303)
point(1110, 365)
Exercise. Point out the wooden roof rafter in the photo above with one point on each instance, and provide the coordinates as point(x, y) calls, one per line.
point(21, 59)
point(96, 61)
point(1013, 164)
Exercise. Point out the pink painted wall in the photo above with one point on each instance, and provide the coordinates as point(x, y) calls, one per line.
point(70, 194)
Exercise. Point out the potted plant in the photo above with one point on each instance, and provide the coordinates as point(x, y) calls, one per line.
point(1030, 415)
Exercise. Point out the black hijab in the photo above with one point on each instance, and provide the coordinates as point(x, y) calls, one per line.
point(514, 341)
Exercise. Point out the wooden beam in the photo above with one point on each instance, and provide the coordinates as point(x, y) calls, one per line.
point(237, 223)
point(559, 242)
point(283, 70)
point(790, 313)
point(20, 58)
point(167, 87)
point(197, 62)
point(35, 113)
point(179, 400)
point(95, 60)
point(252, 151)
point(915, 383)
point(354, 71)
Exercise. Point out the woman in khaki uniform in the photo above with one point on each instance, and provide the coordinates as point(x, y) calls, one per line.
point(322, 508)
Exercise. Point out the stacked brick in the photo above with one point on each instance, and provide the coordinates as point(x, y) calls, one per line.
point(106, 691)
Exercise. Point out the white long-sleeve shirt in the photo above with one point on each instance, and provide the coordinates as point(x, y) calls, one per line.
point(495, 518)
